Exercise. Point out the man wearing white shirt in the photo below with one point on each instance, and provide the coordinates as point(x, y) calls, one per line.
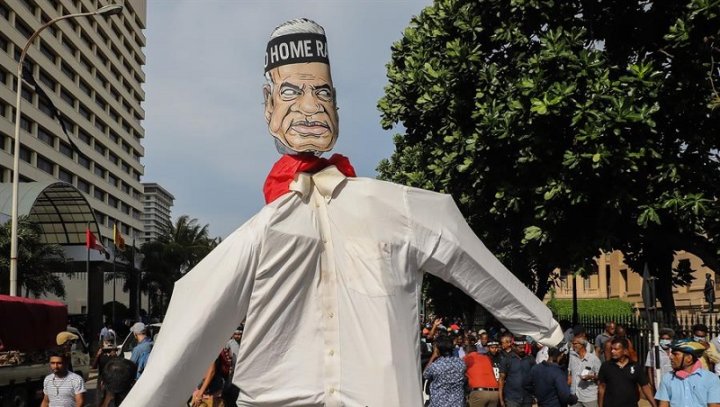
point(331, 268)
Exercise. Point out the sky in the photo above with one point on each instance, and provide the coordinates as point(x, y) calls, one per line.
point(206, 139)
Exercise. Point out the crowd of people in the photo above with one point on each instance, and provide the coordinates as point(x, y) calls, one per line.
point(116, 374)
point(493, 367)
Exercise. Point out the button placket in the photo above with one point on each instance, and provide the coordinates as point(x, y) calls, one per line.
point(330, 304)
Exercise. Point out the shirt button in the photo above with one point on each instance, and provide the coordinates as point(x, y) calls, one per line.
point(332, 353)
point(332, 391)
point(331, 315)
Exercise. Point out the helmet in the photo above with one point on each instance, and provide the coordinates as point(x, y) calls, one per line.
point(688, 346)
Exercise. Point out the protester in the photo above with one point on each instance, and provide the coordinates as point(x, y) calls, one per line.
point(711, 356)
point(210, 389)
point(549, 382)
point(232, 347)
point(515, 376)
point(583, 369)
point(620, 333)
point(482, 383)
point(141, 352)
point(104, 354)
point(107, 333)
point(62, 388)
point(483, 339)
point(66, 341)
point(689, 385)
point(666, 338)
point(446, 374)
point(601, 339)
point(620, 377)
point(117, 377)
point(493, 351)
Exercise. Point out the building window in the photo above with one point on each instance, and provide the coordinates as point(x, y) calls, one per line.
point(99, 194)
point(48, 52)
point(25, 154)
point(67, 71)
point(113, 158)
point(45, 136)
point(85, 88)
point(64, 175)
point(99, 171)
point(113, 180)
point(100, 102)
point(83, 185)
point(112, 201)
point(45, 107)
point(23, 28)
point(85, 137)
point(114, 137)
point(100, 125)
point(125, 167)
point(65, 149)
point(100, 148)
point(25, 124)
point(84, 161)
point(84, 112)
point(46, 79)
point(45, 164)
point(126, 188)
point(67, 97)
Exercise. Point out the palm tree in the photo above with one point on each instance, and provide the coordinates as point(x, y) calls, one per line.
point(178, 249)
point(40, 264)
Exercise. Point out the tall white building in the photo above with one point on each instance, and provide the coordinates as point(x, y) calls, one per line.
point(156, 211)
point(92, 69)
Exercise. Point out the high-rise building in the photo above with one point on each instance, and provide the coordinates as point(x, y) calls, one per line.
point(156, 211)
point(92, 70)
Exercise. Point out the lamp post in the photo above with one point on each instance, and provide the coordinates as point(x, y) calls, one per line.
point(106, 11)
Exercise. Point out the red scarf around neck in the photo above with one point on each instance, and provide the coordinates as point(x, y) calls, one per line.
point(283, 172)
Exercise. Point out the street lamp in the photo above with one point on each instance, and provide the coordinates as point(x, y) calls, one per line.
point(106, 11)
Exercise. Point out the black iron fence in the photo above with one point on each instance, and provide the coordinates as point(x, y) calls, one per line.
point(639, 330)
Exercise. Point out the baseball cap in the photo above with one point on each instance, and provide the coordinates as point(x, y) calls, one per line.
point(65, 336)
point(138, 328)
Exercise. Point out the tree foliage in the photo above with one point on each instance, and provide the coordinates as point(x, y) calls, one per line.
point(564, 127)
point(40, 264)
point(178, 248)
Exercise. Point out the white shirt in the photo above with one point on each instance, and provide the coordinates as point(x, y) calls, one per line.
point(61, 391)
point(329, 279)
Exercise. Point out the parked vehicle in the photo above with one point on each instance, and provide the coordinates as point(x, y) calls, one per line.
point(27, 335)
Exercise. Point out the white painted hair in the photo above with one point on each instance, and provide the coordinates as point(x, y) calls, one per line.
point(297, 26)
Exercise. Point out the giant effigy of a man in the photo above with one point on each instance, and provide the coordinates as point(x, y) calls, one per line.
point(328, 274)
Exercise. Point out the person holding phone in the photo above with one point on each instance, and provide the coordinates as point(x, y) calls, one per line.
point(583, 369)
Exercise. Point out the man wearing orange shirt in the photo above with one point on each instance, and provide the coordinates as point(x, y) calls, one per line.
point(481, 379)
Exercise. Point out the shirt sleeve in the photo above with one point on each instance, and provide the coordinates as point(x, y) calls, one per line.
point(602, 372)
point(713, 395)
point(663, 391)
point(79, 385)
point(448, 248)
point(431, 370)
point(206, 305)
point(650, 358)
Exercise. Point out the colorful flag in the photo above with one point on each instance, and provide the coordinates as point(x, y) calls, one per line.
point(91, 242)
point(118, 239)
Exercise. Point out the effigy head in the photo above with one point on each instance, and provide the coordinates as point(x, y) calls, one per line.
point(300, 100)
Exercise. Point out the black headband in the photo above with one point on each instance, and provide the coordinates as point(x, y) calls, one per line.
point(295, 49)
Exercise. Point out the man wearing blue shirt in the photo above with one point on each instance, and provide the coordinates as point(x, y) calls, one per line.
point(688, 385)
point(141, 352)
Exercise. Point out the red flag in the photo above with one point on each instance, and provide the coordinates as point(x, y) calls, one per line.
point(92, 243)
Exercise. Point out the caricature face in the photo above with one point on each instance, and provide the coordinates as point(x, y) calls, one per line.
point(300, 108)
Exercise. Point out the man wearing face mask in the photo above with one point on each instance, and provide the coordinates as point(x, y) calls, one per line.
point(711, 356)
point(666, 338)
point(330, 268)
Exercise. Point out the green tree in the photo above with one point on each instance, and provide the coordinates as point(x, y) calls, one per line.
point(40, 264)
point(564, 127)
point(178, 248)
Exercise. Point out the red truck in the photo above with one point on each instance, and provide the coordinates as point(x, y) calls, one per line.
point(28, 331)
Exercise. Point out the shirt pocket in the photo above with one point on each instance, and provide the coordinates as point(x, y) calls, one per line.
point(369, 268)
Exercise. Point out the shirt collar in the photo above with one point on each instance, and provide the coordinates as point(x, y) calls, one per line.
point(326, 182)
